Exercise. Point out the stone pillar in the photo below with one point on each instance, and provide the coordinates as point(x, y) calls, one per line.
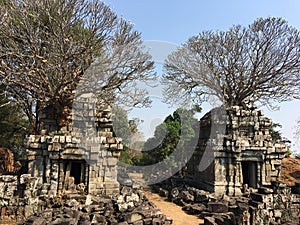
point(230, 176)
point(238, 179)
point(221, 168)
point(48, 170)
point(61, 176)
point(258, 174)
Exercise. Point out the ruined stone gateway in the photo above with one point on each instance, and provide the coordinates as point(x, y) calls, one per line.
point(245, 157)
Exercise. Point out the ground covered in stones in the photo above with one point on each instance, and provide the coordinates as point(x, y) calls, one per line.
point(131, 207)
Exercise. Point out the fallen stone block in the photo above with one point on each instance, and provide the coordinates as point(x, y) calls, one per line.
point(34, 220)
point(194, 209)
point(163, 192)
point(174, 193)
point(209, 221)
point(201, 196)
point(187, 196)
point(139, 222)
point(133, 217)
point(217, 207)
point(258, 197)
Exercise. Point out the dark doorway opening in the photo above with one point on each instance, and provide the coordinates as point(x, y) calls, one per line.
point(249, 169)
point(76, 169)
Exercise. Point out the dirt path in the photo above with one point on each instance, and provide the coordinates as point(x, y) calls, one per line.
point(168, 208)
point(172, 210)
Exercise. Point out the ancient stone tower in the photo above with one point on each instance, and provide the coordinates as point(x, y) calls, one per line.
point(245, 156)
point(82, 155)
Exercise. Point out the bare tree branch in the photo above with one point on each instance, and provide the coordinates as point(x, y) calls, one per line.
point(46, 47)
point(259, 63)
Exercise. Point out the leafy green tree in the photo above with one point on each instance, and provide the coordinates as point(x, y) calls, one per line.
point(169, 135)
point(125, 156)
point(125, 128)
point(289, 152)
point(13, 126)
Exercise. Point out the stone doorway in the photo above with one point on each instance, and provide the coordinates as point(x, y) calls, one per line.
point(77, 170)
point(249, 169)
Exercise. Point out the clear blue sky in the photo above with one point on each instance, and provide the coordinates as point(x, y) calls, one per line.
point(175, 21)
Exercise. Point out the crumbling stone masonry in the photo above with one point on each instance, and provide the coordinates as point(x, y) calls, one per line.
point(278, 204)
point(245, 157)
point(19, 196)
point(22, 200)
point(83, 154)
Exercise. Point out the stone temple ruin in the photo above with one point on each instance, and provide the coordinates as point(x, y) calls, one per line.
point(83, 156)
point(246, 157)
point(74, 172)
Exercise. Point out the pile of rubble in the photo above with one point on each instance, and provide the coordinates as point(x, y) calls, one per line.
point(24, 200)
point(277, 205)
point(19, 196)
point(130, 207)
point(290, 171)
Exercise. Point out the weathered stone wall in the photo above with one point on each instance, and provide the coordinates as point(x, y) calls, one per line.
point(19, 195)
point(245, 156)
point(85, 153)
point(274, 206)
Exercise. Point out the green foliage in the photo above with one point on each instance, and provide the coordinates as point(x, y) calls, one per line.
point(168, 136)
point(125, 156)
point(289, 152)
point(125, 128)
point(13, 126)
point(128, 131)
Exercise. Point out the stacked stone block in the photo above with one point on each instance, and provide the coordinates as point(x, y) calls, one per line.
point(8, 186)
point(244, 154)
point(274, 206)
point(19, 196)
point(88, 141)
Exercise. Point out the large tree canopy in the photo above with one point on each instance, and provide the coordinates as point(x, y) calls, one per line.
point(47, 46)
point(258, 63)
